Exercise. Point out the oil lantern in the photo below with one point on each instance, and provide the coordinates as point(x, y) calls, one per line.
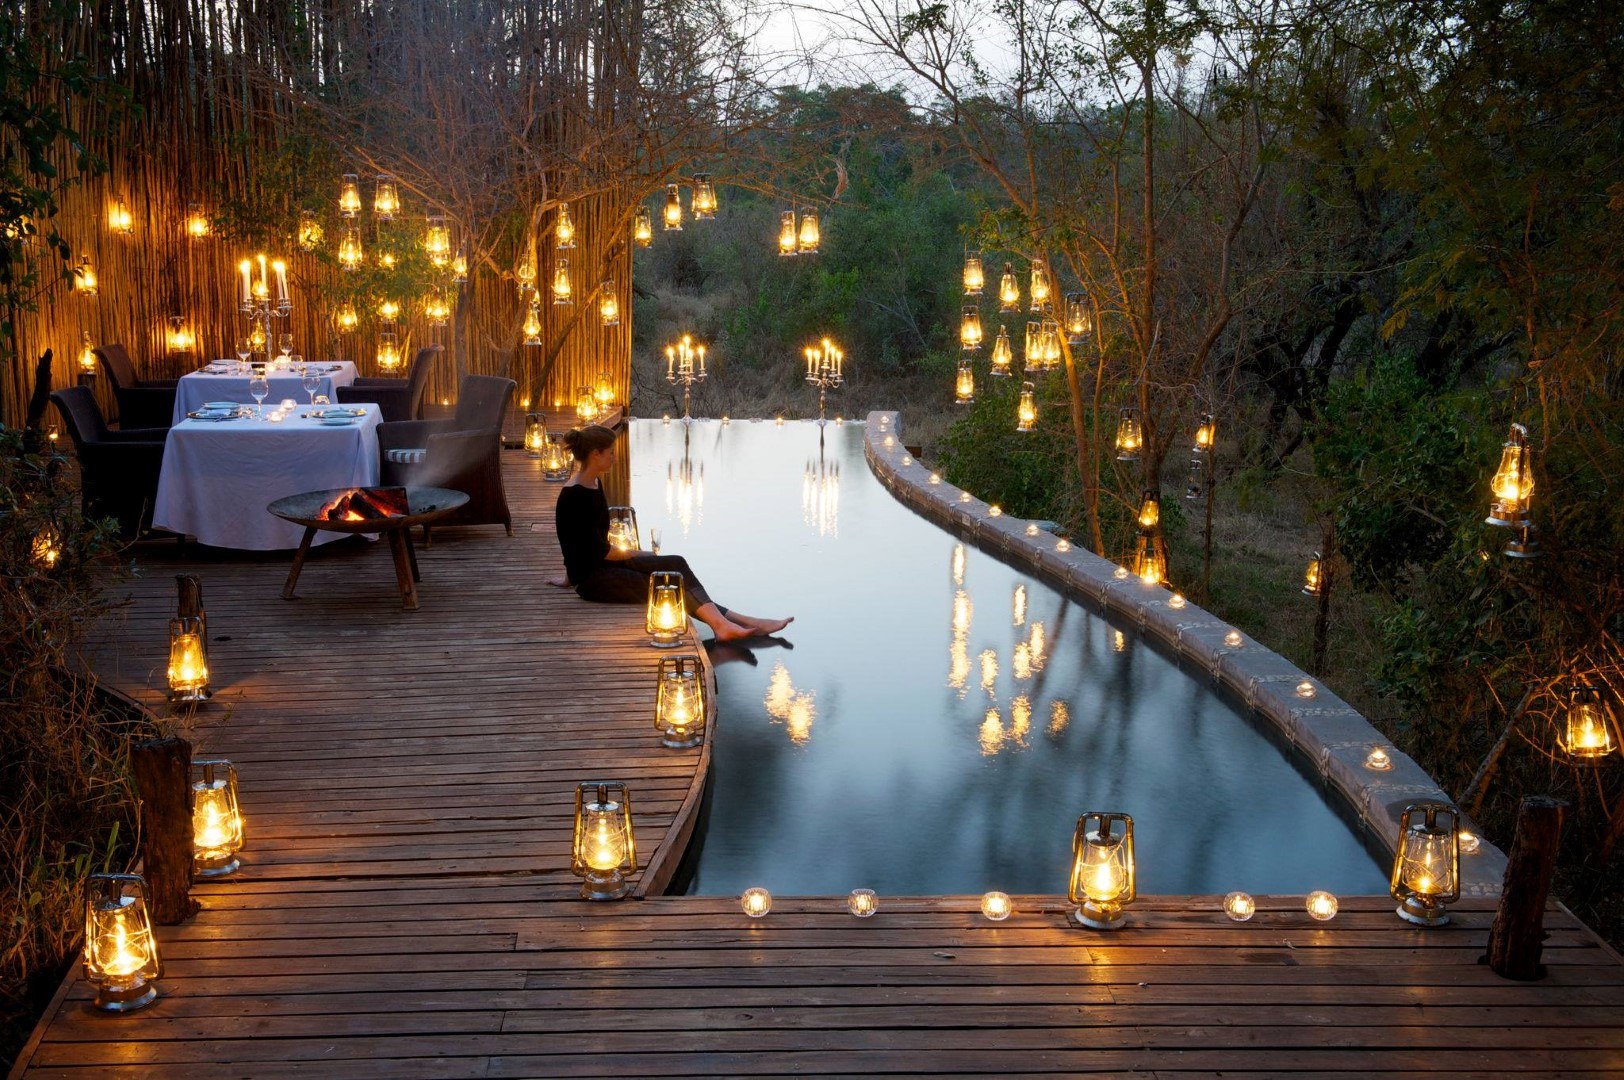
point(1102, 869)
point(1426, 866)
point(604, 851)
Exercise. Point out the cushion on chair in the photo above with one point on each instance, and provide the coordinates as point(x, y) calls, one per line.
point(406, 456)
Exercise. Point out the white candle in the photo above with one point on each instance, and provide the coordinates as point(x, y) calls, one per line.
point(281, 280)
point(670, 362)
point(264, 282)
point(702, 359)
point(247, 280)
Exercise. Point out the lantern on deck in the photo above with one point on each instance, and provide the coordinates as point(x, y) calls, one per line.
point(563, 292)
point(1206, 433)
point(811, 237)
point(608, 304)
point(217, 830)
point(1102, 869)
point(604, 851)
point(1129, 438)
point(84, 277)
point(623, 535)
point(786, 234)
point(556, 462)
point(386, 199)
point(310, 231)
point(643, 227)
point(349, 196)
point(673, 208)
point(1426, 866)
point(1079, 320)
point(975, 277)
point(188, 670)
point(964, 385)
point(121, 954)
point(350, 252)
point(1026, 412)
point(1003, 355)
point(197, 222)
point(119, 218)
point(679, 704)
point(704, 201)
point(1513, 483)
point(564, 229)
point(1314, 576)
point(437, 240)
point(535, 433)
point(667, 617)
point(970, 328)
point(1587, 729)
point(586, 406)
point(1040, 288)
point(1009, 291)
point(604, 393)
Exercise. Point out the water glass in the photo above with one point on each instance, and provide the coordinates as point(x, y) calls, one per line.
point(245, 349)
point(259, 387)
point(285, 346)
point(654, 540)
point(310, 379)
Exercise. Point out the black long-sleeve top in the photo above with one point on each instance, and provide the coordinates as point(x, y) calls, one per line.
point(582, 521)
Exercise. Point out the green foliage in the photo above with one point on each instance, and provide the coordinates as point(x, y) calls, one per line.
point(1027, 473)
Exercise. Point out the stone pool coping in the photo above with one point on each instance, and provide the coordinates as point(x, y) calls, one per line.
point(1329, 733)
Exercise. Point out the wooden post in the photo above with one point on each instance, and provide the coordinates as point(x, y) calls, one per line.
point(163, 776)
point(189, 596)
point(1519, 925)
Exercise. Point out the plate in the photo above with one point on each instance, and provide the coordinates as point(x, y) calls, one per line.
point(222, 404)
point(335, 421)
point(337, 413)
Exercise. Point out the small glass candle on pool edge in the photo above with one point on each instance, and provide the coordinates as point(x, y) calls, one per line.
point(1240, 906)
point(1032, 529)
point(1176, 601)
point(1062, 544)
point(862, 903)
point(907, 459)
point(1305, 689)
point(756, 902)
point(964, 496)
point(1378, 760)
point(996, 906)
point(935, 479)
point(1120, 573)
point(1321, 905)
point(1469, 843)
point(995, 511)
point(1234, 640)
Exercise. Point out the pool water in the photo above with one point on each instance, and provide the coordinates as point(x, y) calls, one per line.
point(934, 721)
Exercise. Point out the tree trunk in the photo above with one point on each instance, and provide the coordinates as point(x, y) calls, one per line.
point(163, 775)
point(1519, 925)
point(1322, 619)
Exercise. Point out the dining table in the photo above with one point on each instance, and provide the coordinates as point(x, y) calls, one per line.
point(227, 380)
point(218, 474)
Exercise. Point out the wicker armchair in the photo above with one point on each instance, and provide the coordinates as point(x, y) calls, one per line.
point(463, 453)
point(142, 403)
point(397, 399)
point(118, 470)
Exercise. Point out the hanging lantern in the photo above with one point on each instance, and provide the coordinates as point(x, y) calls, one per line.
point(1195, 488)
point(84, 277)
point(964, 386)
point(975, 277)
point(604, 851)
point(386, 198)
point(1150, 560)
point(786, 233)
point(704, 202)
point(345, 318)
point(1150, 512)
point(608, 304)
point(119, 218)
point(1009, 291)
point(673, 208)
point(1040, 288)
point(535, 433)
point(1513, 483)
point(1032, 354)
point(667, 618)
point(437, 309)
point(178, 339)
point(1003, 355)
point(1026, 413)
point(556, 461)
point(350, 252)
point(810, 237)
point(45, 550)
point(1049, 342)
point(349, 196)
point(1426, 866)
point(310, 231)
point(1313, 577)
point(564, 229)
point(197, 222)
point(563, 292)
point(1079, 319)
point(970, 328)
point(623, 534)
point(388, 351)
point(524, 271)
point(532, 323)
point(437, 240)
point(386, 259)
point(643, 227)
point(217, 830)
point(188, 671)
point(1129, 438)
point(388, 310)
point(459, 268)
point(121, 953)
point(1102, 869)
point(679, 705)
point(1206, 433)
point(1587, 729)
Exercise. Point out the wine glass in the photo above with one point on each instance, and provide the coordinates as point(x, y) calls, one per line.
point(310, 379)
point(245, 349)
point(259, 388)
point(284, 345)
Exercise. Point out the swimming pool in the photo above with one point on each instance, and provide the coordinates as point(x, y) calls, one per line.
point(935, 719)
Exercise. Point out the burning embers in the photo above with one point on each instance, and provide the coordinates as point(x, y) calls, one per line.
point(366, 504)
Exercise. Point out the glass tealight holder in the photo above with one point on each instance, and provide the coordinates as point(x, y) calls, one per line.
point(1240, 906)
point(1321, 906)
point(862, 903)
point(756, 902)
point(996, 906)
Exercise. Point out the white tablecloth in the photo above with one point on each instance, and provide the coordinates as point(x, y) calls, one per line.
point(218, 477)
point(197, 387)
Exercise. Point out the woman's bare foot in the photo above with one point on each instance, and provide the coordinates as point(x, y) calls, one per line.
point(728, 630)
point(562, 581)
point(761, 626)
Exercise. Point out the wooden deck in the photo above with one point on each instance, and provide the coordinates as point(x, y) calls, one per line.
point(405, 909)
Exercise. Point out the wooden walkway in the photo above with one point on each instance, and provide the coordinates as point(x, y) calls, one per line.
point(405, 908)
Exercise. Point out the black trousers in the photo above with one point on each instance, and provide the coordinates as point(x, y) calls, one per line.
point(625, 581)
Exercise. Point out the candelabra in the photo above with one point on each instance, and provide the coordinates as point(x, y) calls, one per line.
point(824, 362)
point(685, 364)
point(257, 299)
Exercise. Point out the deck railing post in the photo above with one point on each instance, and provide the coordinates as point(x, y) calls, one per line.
point(1518, 934)
point(163, 777)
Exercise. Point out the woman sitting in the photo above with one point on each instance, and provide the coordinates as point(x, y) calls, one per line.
point(606, 576)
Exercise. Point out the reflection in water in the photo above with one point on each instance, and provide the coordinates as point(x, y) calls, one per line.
point(958, 665)
point(795, 709)
point(1059, 717)
point(958, 564)
point(1119, 641)
point(1035, 646)
point(992, 733)
point(820, 495)
point(989, 671)
point(1020, 719)
point(1019, 604)
point(685, 488)
point(1021, 663)
point(962, 610)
